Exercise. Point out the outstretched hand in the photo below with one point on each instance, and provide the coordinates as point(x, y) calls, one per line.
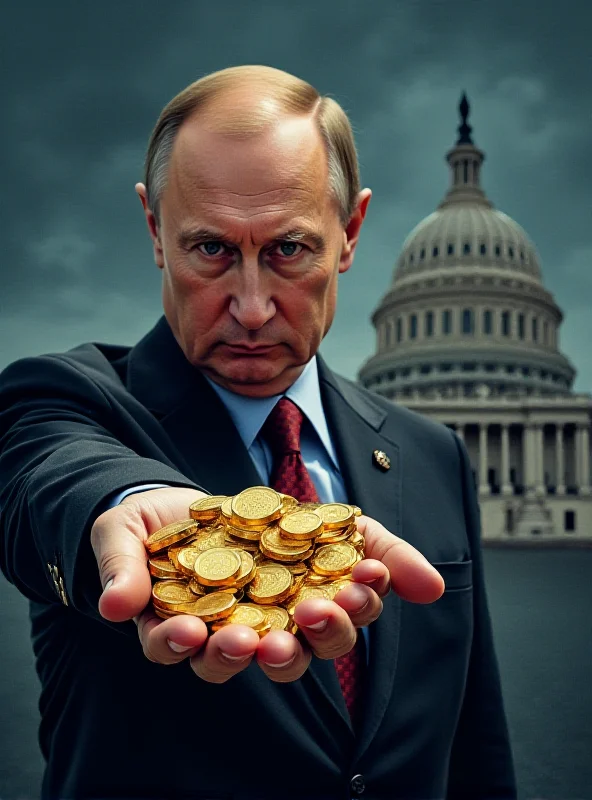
point(328, 626)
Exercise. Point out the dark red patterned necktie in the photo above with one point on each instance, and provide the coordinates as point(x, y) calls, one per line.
point(290, 476)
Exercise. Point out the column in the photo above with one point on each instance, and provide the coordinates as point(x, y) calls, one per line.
point(582, 459)
point(559, 459)
point(484, 488)
point(539, 463)
point(528, 459)
point(585, 486)
point(505, 477)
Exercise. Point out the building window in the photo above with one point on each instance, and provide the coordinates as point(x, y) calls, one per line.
point(483, 249)
point(545, 332)
point(450, 249)
point(487, 322)
point(399, 329)
point(435, 252)
point(467, 248)
point(522, 256)
point(467, 321)
point(429, 323)
point(422, 254)
point(411, 258)
point(570, 520)
point(506, 323)
point(535, 329)
point(490, 368)
point(521, 326)
point(413, 326)
point(447, 321)
point(510, 252)
point(526, 371)
point(425, 369)
point(498, 250)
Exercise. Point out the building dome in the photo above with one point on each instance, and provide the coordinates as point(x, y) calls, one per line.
point(466, 312)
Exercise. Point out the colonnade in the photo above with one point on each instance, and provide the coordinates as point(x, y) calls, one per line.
point(532, 455)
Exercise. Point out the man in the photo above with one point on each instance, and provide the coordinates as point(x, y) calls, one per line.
point(254, 208)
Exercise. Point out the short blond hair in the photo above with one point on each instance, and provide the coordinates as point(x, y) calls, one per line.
point(290, 95)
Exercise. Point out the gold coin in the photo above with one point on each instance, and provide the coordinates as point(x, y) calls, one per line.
point(214, 606)
point(309, 506)
point(289, 503)
point(331, 537)
point(256, 506)
point(173, 596)
point(312, 579)
point(186, 560)
point(337, 586)
point(211, 537)
point(196, 587)
point(264, 630)
point(306, 593)
point(272, 540)
point(357, 511)
point(301, 525)
point(357, 540)
point(277, 616)
point(242, 544)
point(334, 559)
point(217, 566)
point(161, 567)
point(208, 508)
point(241, 533)
point(285, 557)
point(248, 614)
point(247, 569)
point(160, 612)
point(335, 515)
point(226, 508)
point(271, 584)
point(170, 534)
point(299, 568)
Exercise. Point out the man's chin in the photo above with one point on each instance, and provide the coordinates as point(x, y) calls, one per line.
point(254, 380)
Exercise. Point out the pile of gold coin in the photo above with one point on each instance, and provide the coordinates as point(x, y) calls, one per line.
point(251, 558)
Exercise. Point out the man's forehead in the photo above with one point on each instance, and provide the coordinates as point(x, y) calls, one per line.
point(287, 159)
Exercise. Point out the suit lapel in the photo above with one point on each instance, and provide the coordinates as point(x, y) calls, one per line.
point(210, 449)
point(355, 424)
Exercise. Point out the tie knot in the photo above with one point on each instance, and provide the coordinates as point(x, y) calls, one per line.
point(282, 428)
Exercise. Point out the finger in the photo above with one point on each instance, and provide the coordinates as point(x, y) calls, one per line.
point(282, 657)
point(227, 652)
point(326, 627)
point(361, 603)
point(172, 640)
point(374, 574)
point(122, 560)
point(412, 576)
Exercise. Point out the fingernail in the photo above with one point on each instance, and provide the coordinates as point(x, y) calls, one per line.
point(178, 648)
point(108, 584)
point(318, 626)
point(281, 664)
point(234, 659)
point(361, 608)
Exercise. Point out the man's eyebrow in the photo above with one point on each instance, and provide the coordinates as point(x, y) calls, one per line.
point(200, 234)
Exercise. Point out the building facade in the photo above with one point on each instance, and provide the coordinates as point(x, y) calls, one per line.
point(468, 335)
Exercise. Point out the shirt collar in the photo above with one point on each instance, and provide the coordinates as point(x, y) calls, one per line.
point(249, 413)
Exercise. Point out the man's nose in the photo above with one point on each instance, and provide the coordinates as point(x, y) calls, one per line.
point(251, 304)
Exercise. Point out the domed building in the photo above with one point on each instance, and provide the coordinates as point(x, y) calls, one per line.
point(468, 335)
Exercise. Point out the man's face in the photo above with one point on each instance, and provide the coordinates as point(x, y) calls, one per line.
point(251, 245)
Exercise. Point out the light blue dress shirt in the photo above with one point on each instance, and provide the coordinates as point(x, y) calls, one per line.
point(316, 446)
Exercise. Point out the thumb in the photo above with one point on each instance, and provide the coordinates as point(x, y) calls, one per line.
point(123, 569)
point(412, 576)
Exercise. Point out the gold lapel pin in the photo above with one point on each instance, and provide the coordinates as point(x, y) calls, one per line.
point(381, 460)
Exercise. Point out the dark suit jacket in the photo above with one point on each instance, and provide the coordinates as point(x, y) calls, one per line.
point(77, 427)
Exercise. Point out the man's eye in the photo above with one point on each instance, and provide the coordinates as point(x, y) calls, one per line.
point(289, 246)
point(211, 248)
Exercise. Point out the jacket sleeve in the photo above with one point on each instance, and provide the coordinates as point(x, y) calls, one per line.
point(481, 762)
point(60, 461)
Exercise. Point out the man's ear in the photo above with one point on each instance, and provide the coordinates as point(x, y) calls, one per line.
point(153, 229)
point(351, 233)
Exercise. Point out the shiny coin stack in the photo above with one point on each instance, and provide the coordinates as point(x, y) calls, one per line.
point(249, 559)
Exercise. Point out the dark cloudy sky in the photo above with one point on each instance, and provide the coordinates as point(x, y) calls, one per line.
point(84, 82)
